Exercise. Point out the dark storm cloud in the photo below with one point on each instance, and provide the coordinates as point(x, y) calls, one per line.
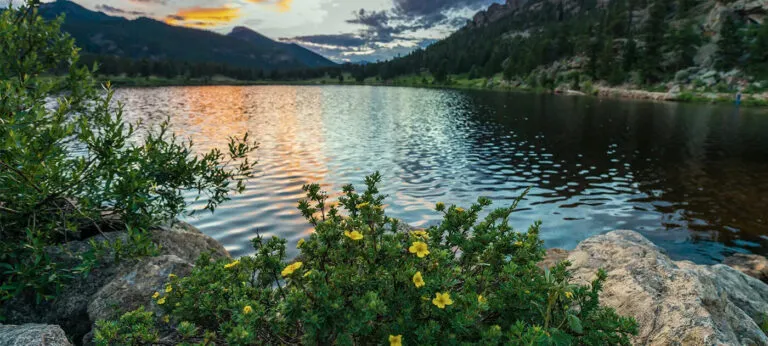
point(119, 11)
point(380, 29)
point(435, 8)
point(340, 40)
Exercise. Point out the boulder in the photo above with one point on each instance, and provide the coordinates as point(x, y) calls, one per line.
point(134, 287)
point(752, 265)
point(87, 298)
point(33, 335)
point(674, 303)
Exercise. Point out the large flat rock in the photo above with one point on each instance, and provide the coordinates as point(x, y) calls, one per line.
point(675, 303)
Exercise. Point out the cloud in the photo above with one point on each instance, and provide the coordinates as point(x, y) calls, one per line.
point(338, 40)
point(118, 11)
point(203, 17)
point(280, 5)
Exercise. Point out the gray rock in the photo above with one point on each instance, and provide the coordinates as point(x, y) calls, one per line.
point(73, 307)
point(33, 335)
point(674, 303)
point(752, 265)
point(134, 287)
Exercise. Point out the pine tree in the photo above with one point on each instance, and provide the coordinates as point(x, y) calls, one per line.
point(654, 40)
point(730, 47)
point(758, 53)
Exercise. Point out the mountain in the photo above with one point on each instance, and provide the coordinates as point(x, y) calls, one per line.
point(298, 53)
point(712, 44)
point(144, 38)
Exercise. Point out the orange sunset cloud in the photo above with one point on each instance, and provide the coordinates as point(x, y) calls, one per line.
point(203, 16)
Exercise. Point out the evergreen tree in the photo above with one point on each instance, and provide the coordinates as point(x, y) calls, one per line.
point(730, 46)
point(758, 53)
point(684, 42)
point(654, 40)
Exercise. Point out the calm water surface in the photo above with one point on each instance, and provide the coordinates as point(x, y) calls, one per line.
point(692, 178)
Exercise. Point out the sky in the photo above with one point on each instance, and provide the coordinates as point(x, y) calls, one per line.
point(342, 30)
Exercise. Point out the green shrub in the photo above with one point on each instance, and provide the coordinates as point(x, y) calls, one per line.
point(361, 279)
point(73, 168)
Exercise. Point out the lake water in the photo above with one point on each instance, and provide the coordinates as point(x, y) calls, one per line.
point(692, 178)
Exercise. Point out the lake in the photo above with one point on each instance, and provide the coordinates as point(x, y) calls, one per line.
point(692, 178)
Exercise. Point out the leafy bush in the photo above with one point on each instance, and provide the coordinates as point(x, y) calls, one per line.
point(362, 279)
point(70, 167)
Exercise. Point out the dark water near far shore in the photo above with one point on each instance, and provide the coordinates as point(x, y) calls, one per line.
point(692, 178)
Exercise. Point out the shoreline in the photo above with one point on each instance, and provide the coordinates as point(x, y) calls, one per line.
point(713, 98)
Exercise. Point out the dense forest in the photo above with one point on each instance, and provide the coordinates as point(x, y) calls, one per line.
point(642, 41)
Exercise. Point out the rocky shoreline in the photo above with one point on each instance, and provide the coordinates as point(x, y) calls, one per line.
point(674, 302)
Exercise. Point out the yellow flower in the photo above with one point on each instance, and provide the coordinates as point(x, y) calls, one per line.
point(419, 248)
point(291, 268)
point(231, 264)
point(518, 243)
point(247, 309)
point(442, 299)
point(308, 273)
point(418, 280)
point(166, 318)
point(362, 205)
point(161, 301)
point(171, 276)
point(395, 340)
point(481, 299)
point(440, 206)
point(569, 294)
point(156, 295)
point(420, 234)
point(300, 243)
point(168, 288)
point(460, 209)
point(354, 235)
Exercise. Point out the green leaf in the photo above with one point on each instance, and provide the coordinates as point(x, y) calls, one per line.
point(575, 323)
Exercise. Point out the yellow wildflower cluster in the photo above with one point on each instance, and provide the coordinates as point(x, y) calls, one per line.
point(354, 235)
point(247, 309)
point(362, 205)
point(395, 340)
point(441, 300)
point(232, 264)
point(418, 280)
point(291, 268)
point(420, 234)
point(300, 243)
point(168, 288)
point(419, 248)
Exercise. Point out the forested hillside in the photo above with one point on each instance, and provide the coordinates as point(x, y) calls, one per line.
point(720, 44)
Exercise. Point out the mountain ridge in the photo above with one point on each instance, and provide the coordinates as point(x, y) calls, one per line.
point(146, 38)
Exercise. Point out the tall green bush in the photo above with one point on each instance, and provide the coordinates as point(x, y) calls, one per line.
point(70, 166)
point(361, 279)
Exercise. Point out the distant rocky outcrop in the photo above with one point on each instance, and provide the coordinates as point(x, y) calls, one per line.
point(114, 287)
point(674, 302)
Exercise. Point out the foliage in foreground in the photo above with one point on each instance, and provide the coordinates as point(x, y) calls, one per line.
point(70, 167)
point(360, 279)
